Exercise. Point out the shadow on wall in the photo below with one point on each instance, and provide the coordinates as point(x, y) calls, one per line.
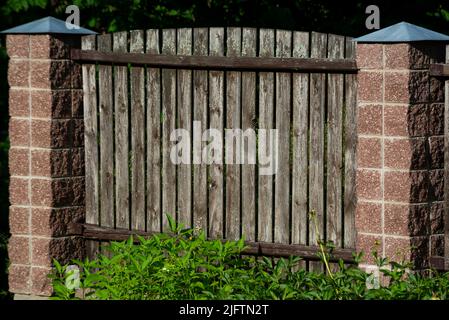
point(425, 121)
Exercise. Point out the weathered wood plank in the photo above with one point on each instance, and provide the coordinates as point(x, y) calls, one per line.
point(91, 143)
point(153, 137)
point(220, 63)
point(249, 47)
point(233, 121)
point(184, 83)
point(266, 121)
point(121, 124)
point(137, 75)
point(200, 107)
point(106, 137)
point(282, 116)
point(216, 114)
point(350, 141)
point(300, 142)
point(336, 49)
point(90, 231)
point(168, 125)
point(316, 151)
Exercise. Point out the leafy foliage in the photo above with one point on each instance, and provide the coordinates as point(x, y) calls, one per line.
point(185, 265)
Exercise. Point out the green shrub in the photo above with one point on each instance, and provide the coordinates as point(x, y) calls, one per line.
point(185, 265)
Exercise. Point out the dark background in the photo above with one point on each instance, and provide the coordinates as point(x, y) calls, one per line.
point(330, 16)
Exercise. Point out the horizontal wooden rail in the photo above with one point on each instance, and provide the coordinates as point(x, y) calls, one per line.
point(94, 232)
point(219, 63)
point(439, 70)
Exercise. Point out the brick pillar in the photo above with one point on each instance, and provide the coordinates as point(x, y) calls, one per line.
point(46, 158)
point(400, 151)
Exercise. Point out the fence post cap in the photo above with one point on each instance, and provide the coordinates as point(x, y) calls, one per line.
point(48, 25)
point(402, 32)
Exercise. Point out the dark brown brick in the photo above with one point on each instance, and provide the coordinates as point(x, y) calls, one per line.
point(18, 191)
point(41, 284)
point(18, 73)
point(437, 217)
point(19, 249)
point(54, 222)
point(436, 146)
point(436, 119)
point(19, 132)
point(51, 104)
point(436, 185)
point(62, 249)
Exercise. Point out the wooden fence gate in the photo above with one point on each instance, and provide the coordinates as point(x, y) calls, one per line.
point(142, 85)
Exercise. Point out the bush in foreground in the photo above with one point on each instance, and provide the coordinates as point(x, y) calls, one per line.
point(185, 265)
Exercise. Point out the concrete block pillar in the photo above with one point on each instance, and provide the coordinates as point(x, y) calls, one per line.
point(400, 154)
point(46, 157)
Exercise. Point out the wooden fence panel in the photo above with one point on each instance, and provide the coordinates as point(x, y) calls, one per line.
point(349, 147)
point(216, 114)
point(106, 137)
point(137, 74)
point(91, 143)
point(266, 121)
point(121, 128)
point(168, 116)
point(300, 110)
point(249, 119)
point(184, 110)
point(200, 107)
point(336, 50)
point(130, 136)
point(316, 162)
point(282, 116)
point(233, 121)
point(154, 112)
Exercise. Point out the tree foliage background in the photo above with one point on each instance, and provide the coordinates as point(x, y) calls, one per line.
point(331, 16)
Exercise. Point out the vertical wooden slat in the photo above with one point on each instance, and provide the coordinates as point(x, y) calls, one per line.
point(216, 92)
point(137, 135)
point(316, 157)
point(106, 137)
point(336, 49)
point(184, 83)
point(266, 111)
point(249, 47)
point(350, 141)
point(153, 137)
point(233, 121)
point(300, 142)
point(200, 98)
point(168, 125)
point(282, 115)
point(120, 44)
point(90, 142)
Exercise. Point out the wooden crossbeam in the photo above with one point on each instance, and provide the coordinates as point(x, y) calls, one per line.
point(439, 70)
point(218, 62)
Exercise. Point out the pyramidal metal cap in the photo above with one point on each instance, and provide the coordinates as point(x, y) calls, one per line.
point(403, 32)
point(48, 25)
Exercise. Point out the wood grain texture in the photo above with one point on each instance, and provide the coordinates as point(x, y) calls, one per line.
point(316, 151)
point(350, 143)
point(153, 122)
point(121, 127)
point(249, 188)
point(300, 142)
point(168, 125)
point(282, 116)
point(266, 121)
point(216, 116)
point(106, 137)
point(91, 143)
point(137, 74)
point(335, 84)
point(200, 111)
point(233, 121)
point(184, 105)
